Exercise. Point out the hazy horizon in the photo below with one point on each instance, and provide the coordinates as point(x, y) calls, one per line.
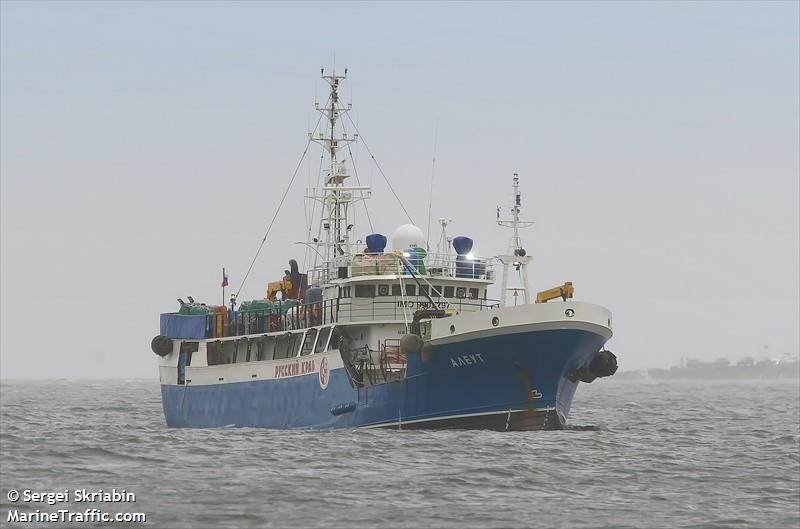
point(144, 146)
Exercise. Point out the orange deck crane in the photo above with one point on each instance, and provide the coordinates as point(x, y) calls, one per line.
point(564, 291)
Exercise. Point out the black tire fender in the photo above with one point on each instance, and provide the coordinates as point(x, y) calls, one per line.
point(161, 345)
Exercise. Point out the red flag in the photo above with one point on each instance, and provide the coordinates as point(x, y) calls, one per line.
point(224, 278)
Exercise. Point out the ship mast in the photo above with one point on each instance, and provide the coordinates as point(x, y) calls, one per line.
point(333, 240)
point(517, 256)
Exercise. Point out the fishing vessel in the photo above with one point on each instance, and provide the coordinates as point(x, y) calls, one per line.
point(384, 331)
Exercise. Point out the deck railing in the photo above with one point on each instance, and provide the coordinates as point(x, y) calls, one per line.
point(397, 308)
point(432, 265)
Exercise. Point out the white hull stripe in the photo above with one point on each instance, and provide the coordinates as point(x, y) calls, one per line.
point(401, 422)
point(605, 332)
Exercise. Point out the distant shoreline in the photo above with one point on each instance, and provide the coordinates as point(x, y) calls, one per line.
point(780, 371)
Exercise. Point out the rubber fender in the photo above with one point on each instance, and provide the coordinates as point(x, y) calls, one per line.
point(604, 364)
point(410, 343)
point(581, 374)
point(161, 345)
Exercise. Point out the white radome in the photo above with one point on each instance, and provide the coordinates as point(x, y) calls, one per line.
point(405, 236)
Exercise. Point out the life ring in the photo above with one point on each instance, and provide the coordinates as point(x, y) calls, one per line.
point(161, 345)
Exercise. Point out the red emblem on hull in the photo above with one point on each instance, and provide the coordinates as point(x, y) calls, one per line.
point(323, 373)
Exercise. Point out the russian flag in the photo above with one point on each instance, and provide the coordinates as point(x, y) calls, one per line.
point(224, 278)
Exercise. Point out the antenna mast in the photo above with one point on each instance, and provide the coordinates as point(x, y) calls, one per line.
point(335, 197)
point(517, 256)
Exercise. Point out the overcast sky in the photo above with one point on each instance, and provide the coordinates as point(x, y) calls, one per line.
point(144, 146)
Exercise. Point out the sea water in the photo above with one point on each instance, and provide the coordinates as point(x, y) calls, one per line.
point(635, 454)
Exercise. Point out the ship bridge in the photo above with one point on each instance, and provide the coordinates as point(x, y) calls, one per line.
point(392, 286)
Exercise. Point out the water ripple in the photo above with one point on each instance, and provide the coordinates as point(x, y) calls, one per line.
point(634, 455)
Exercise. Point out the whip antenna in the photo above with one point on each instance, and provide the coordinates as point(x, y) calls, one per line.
point(430, 198)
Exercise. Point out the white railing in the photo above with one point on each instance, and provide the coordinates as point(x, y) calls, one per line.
point(389, 264)
point(432, 265)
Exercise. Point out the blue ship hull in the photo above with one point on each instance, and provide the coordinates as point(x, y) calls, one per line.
point(507, 382)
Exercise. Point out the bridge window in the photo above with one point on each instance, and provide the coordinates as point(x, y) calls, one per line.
point(365, 291)
point(396, 290)
point(473, 293)
point(188, 348)
point(228, 352)
point(323, 337)
point(214, 353)
point(242, 350)
point(268, 348)
point(308, 343)
point(335, 339)
point(423, 290)
point(282, 347)
point(448, 292)
point(294, 344)
point(411, 290)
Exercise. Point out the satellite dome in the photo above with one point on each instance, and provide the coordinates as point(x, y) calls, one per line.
point(407, 235)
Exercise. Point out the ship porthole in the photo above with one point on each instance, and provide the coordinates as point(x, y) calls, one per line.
point(569, 313)
point(452, 328)
point(495, 321)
